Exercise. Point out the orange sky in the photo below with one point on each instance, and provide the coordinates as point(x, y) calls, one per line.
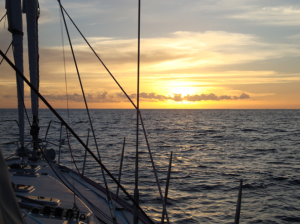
point(225, 66)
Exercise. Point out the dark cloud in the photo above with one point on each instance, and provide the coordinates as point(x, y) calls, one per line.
point(211, 96)
point(99, 97)
point(244, 96)
point(122, 96)
point(153, 97)
point(201, 97)
point(224, 97)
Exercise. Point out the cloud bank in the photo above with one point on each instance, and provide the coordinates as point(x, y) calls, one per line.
point(105, 97)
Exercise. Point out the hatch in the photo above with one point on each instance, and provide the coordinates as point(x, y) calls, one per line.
point(22, 188)
point(27, 168)
point(41, 200)
point(26, 174)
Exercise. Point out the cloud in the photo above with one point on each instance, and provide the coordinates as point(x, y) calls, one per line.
point(211, 96)
point(153, 96)
point(244, 96)
point(105, 97)
point(188, 55)
point(186, 50)
point(268, 12)
point(280, 15)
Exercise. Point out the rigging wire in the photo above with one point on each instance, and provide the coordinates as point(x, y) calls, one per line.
point(154, 169)
point(71, 152)
point(5, 21)
point(3, 16)
point(111, 206)
point(99, 58)
point(136, 191)
point(6, 52)
point(82, 90)
point(64, 57)
point(68, 112)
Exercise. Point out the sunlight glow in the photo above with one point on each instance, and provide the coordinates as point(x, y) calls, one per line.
point(183, 87)
point(183, 90)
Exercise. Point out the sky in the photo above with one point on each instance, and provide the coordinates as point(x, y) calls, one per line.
point(195, 54)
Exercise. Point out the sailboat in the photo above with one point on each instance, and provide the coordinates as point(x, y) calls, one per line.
point(35, 187)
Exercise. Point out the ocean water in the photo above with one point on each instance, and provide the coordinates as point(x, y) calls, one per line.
point(212, 151)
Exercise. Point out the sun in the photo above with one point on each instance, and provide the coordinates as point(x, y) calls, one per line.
point(184, 88)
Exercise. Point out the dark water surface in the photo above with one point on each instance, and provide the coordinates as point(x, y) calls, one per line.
point(212, 151)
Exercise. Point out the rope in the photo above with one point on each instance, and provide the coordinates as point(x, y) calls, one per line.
point(63, 47)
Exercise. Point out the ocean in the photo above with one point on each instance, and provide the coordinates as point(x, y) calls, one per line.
point(212, 151)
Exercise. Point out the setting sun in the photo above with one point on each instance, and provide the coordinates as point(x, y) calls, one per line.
point(184, 88)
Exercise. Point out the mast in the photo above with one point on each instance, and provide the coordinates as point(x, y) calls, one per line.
point(14, 15)
point(31, 9)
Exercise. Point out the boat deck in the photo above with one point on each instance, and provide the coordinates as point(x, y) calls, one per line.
point(48, 186)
